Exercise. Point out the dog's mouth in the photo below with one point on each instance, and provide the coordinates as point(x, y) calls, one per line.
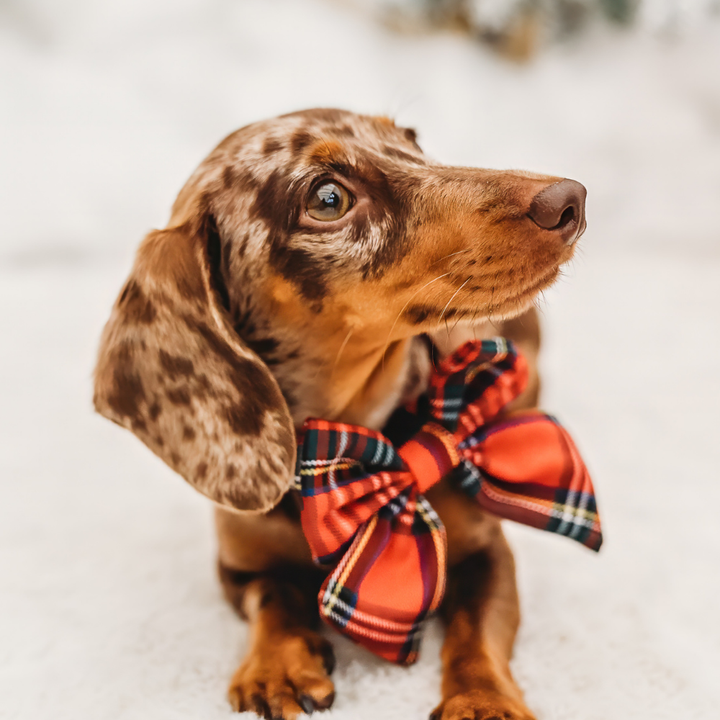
point(501, 307)
point(519, 301)
point(515, 302)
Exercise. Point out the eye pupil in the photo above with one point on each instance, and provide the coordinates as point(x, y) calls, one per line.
point(329, 197)
point(329, 201)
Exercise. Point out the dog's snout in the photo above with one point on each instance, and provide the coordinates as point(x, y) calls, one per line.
point(560, 207)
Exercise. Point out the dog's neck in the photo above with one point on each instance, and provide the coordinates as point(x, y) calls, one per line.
point(329, 370)
point(354, 382)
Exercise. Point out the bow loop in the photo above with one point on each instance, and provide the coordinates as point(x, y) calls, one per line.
point(345, 474)
point(526, 468)
point(471, 386)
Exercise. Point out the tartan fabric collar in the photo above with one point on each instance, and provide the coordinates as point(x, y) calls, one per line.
point(364, 514)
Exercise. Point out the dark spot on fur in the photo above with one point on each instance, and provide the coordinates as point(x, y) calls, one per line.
point(188, 433)
point(128, 391)
point(228, 177)
point(155, 411)
point(344, 131)
point(230, 472)
point(201, 470)
point(175, 366)
point(271, 146)
point(256, 390)
point(214, 250)
point(175, 458)
point(262, 346)
point(241, 245)
point(160, 442)
point(244, 421)
point(178, 396)
point(203, 388)
point(306, 272)
point(137, 307)
point(272, 203)
point(418, 314)
point(300, 140)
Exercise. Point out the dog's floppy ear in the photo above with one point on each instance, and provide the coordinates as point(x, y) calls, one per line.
point(172, 369)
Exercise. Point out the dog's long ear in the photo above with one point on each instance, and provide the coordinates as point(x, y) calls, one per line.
point(172, 369)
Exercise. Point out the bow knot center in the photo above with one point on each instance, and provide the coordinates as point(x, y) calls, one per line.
point(430, 455)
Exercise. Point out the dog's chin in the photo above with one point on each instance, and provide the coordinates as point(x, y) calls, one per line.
point(516, 303)
point(519, 302)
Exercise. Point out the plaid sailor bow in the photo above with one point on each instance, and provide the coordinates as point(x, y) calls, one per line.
point(364, 514)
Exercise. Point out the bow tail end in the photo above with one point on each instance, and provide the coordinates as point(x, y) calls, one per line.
point(568, 513)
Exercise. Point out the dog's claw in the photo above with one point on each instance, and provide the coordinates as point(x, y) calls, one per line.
point(307, 704)
point(328, 656)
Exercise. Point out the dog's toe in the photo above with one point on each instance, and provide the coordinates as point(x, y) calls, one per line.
point(479, 705)
point(285, 677)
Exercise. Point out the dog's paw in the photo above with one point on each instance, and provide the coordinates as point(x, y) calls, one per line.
point(479, 705)
point(284, 677)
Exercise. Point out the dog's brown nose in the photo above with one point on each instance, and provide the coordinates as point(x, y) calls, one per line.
point(561, 207)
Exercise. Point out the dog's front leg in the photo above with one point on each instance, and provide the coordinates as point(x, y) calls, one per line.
point(481, 614)
point(287, 667)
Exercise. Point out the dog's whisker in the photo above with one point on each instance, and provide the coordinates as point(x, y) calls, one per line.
point(402, 310)
point(442, 314)
point(445, 257)
point(340, 351)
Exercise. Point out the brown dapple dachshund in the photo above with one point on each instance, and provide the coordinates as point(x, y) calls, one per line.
point(305, 262)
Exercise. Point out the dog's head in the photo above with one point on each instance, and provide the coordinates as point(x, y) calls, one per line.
point(295, 237)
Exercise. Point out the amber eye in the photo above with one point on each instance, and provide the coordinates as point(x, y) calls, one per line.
point(328, 201)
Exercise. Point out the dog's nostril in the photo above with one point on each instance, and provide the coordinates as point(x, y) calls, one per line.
point(560, 206)
point(567, 216)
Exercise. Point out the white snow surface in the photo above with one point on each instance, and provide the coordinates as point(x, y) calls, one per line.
point(109, 605)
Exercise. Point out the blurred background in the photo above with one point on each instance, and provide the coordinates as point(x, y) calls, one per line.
point(109, 607)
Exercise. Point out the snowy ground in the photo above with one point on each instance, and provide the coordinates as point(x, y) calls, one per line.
point(109, 607)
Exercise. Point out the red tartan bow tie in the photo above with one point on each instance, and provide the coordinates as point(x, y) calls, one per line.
point(364, 514)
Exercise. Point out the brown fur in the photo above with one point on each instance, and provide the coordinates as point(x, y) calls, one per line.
point(246, 315)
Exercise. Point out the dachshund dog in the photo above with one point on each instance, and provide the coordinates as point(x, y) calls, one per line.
point(305, 264)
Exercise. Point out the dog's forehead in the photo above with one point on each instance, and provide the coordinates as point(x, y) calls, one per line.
point(289, 140)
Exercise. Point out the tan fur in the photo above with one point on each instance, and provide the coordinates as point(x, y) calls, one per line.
point(246, 315)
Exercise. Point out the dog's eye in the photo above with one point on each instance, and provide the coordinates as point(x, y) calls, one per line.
point(328, 201)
